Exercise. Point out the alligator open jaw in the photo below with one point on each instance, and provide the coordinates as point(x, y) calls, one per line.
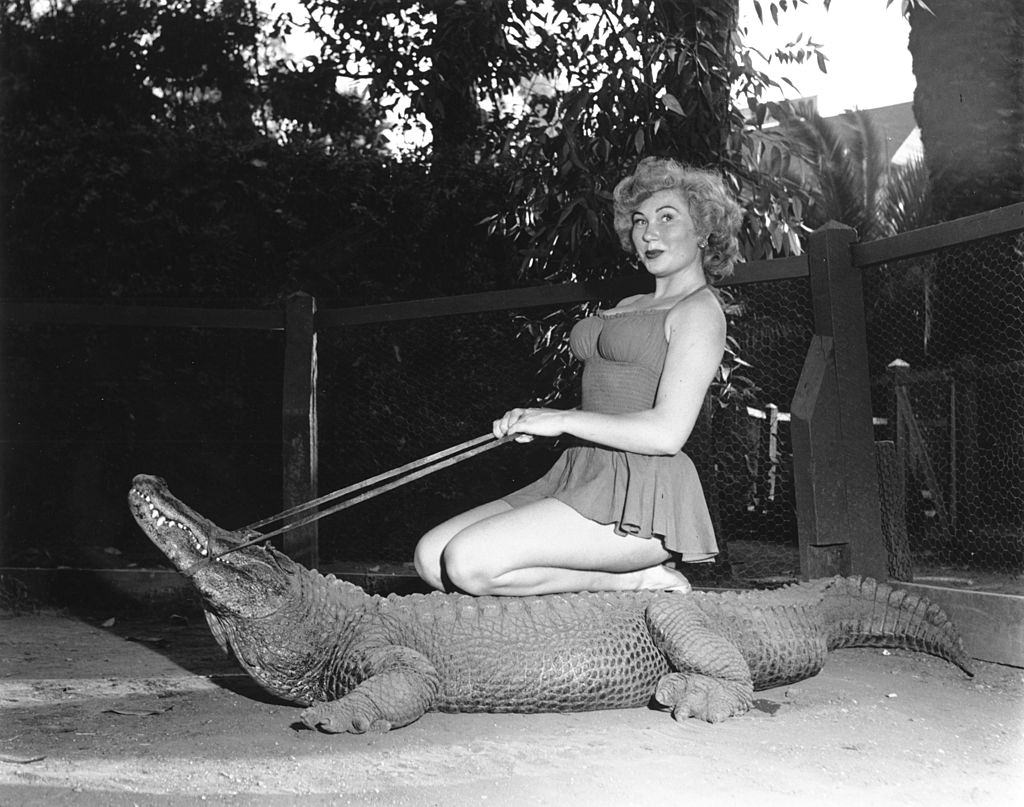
point(166, 521)
point(146, 506)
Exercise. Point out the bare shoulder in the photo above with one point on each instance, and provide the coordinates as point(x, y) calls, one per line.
point(699, 314)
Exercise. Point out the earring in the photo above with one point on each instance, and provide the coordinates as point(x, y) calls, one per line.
point(702, 244)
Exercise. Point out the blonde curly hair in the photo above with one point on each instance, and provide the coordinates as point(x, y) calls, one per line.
point(715, 213)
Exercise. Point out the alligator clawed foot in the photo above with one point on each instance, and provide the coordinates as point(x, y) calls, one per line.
point(710, 699)
point(332, 718)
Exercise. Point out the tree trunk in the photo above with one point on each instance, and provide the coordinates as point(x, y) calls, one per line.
point(968, 64)
point(969, 103)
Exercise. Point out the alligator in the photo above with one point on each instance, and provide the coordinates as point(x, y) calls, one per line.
point(371, 663)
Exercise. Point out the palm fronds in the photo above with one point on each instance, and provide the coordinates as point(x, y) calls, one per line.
point(849, 176)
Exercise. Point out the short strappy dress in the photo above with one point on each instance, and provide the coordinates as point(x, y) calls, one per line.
point(651, 496)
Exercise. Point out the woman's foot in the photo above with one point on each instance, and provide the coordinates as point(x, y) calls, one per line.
point(663, 578)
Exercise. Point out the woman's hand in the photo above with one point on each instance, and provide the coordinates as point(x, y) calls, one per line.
point(525, 424)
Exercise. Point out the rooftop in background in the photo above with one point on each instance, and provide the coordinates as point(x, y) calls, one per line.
point(896, 123)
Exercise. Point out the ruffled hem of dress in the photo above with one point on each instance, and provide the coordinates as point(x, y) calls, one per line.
point(656, 497)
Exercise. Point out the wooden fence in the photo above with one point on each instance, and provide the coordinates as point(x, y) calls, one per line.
point(837, 492)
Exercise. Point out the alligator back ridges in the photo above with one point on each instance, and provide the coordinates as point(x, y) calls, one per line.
point(860, 612)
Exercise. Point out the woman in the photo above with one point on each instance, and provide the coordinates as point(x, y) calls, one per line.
point(623, 500)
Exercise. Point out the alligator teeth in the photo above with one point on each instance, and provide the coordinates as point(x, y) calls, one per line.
point(161, 520)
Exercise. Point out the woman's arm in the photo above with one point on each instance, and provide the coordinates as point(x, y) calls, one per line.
point(695, 330)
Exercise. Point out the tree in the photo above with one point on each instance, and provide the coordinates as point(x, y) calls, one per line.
point(441, 58)
point(150, 147)
point(969, 102)
point(173, 63)
point(219, 176)
point(624, 79)
point(125, 60)
point(636, 79)
point(844, 165)
point(82, 59)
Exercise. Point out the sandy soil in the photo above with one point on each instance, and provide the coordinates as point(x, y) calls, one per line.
point(149, 712)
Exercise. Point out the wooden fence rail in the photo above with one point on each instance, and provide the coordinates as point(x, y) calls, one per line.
point(835, 474)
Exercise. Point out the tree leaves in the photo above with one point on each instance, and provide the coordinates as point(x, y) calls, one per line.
point(673, 105)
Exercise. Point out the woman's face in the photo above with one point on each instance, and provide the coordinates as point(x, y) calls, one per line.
point(664, 235)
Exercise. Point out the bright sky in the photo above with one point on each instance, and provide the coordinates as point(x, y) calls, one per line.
point(866, 44)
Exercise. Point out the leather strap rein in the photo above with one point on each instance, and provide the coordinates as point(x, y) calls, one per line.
point(401, 476)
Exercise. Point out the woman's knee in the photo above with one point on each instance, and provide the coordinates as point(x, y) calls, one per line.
point(427, 557)
point(466, 568)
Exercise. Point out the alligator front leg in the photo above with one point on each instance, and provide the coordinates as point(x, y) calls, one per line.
point(400, 685)
point(712, 680)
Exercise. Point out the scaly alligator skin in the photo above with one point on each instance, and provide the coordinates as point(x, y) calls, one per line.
point(368, 663)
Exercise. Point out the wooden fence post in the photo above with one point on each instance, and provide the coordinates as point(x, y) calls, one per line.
point(838, 517)
point(899, 374)
point(299, 423)
point(892, 489)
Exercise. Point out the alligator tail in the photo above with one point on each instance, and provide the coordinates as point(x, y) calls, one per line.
point(861, 612)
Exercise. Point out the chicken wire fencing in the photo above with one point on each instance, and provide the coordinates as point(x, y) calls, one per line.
point(946, 347)
point(749, 478)
point(393, 392)
point(946, 356)
point(86, 407)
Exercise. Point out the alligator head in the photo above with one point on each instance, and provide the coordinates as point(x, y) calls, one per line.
point(244, 585)
point(271, 613)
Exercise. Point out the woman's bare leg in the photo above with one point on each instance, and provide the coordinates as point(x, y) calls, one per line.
point(427, 557)
point(547, 547)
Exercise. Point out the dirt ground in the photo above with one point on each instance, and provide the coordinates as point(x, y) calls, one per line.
point(147, 711)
